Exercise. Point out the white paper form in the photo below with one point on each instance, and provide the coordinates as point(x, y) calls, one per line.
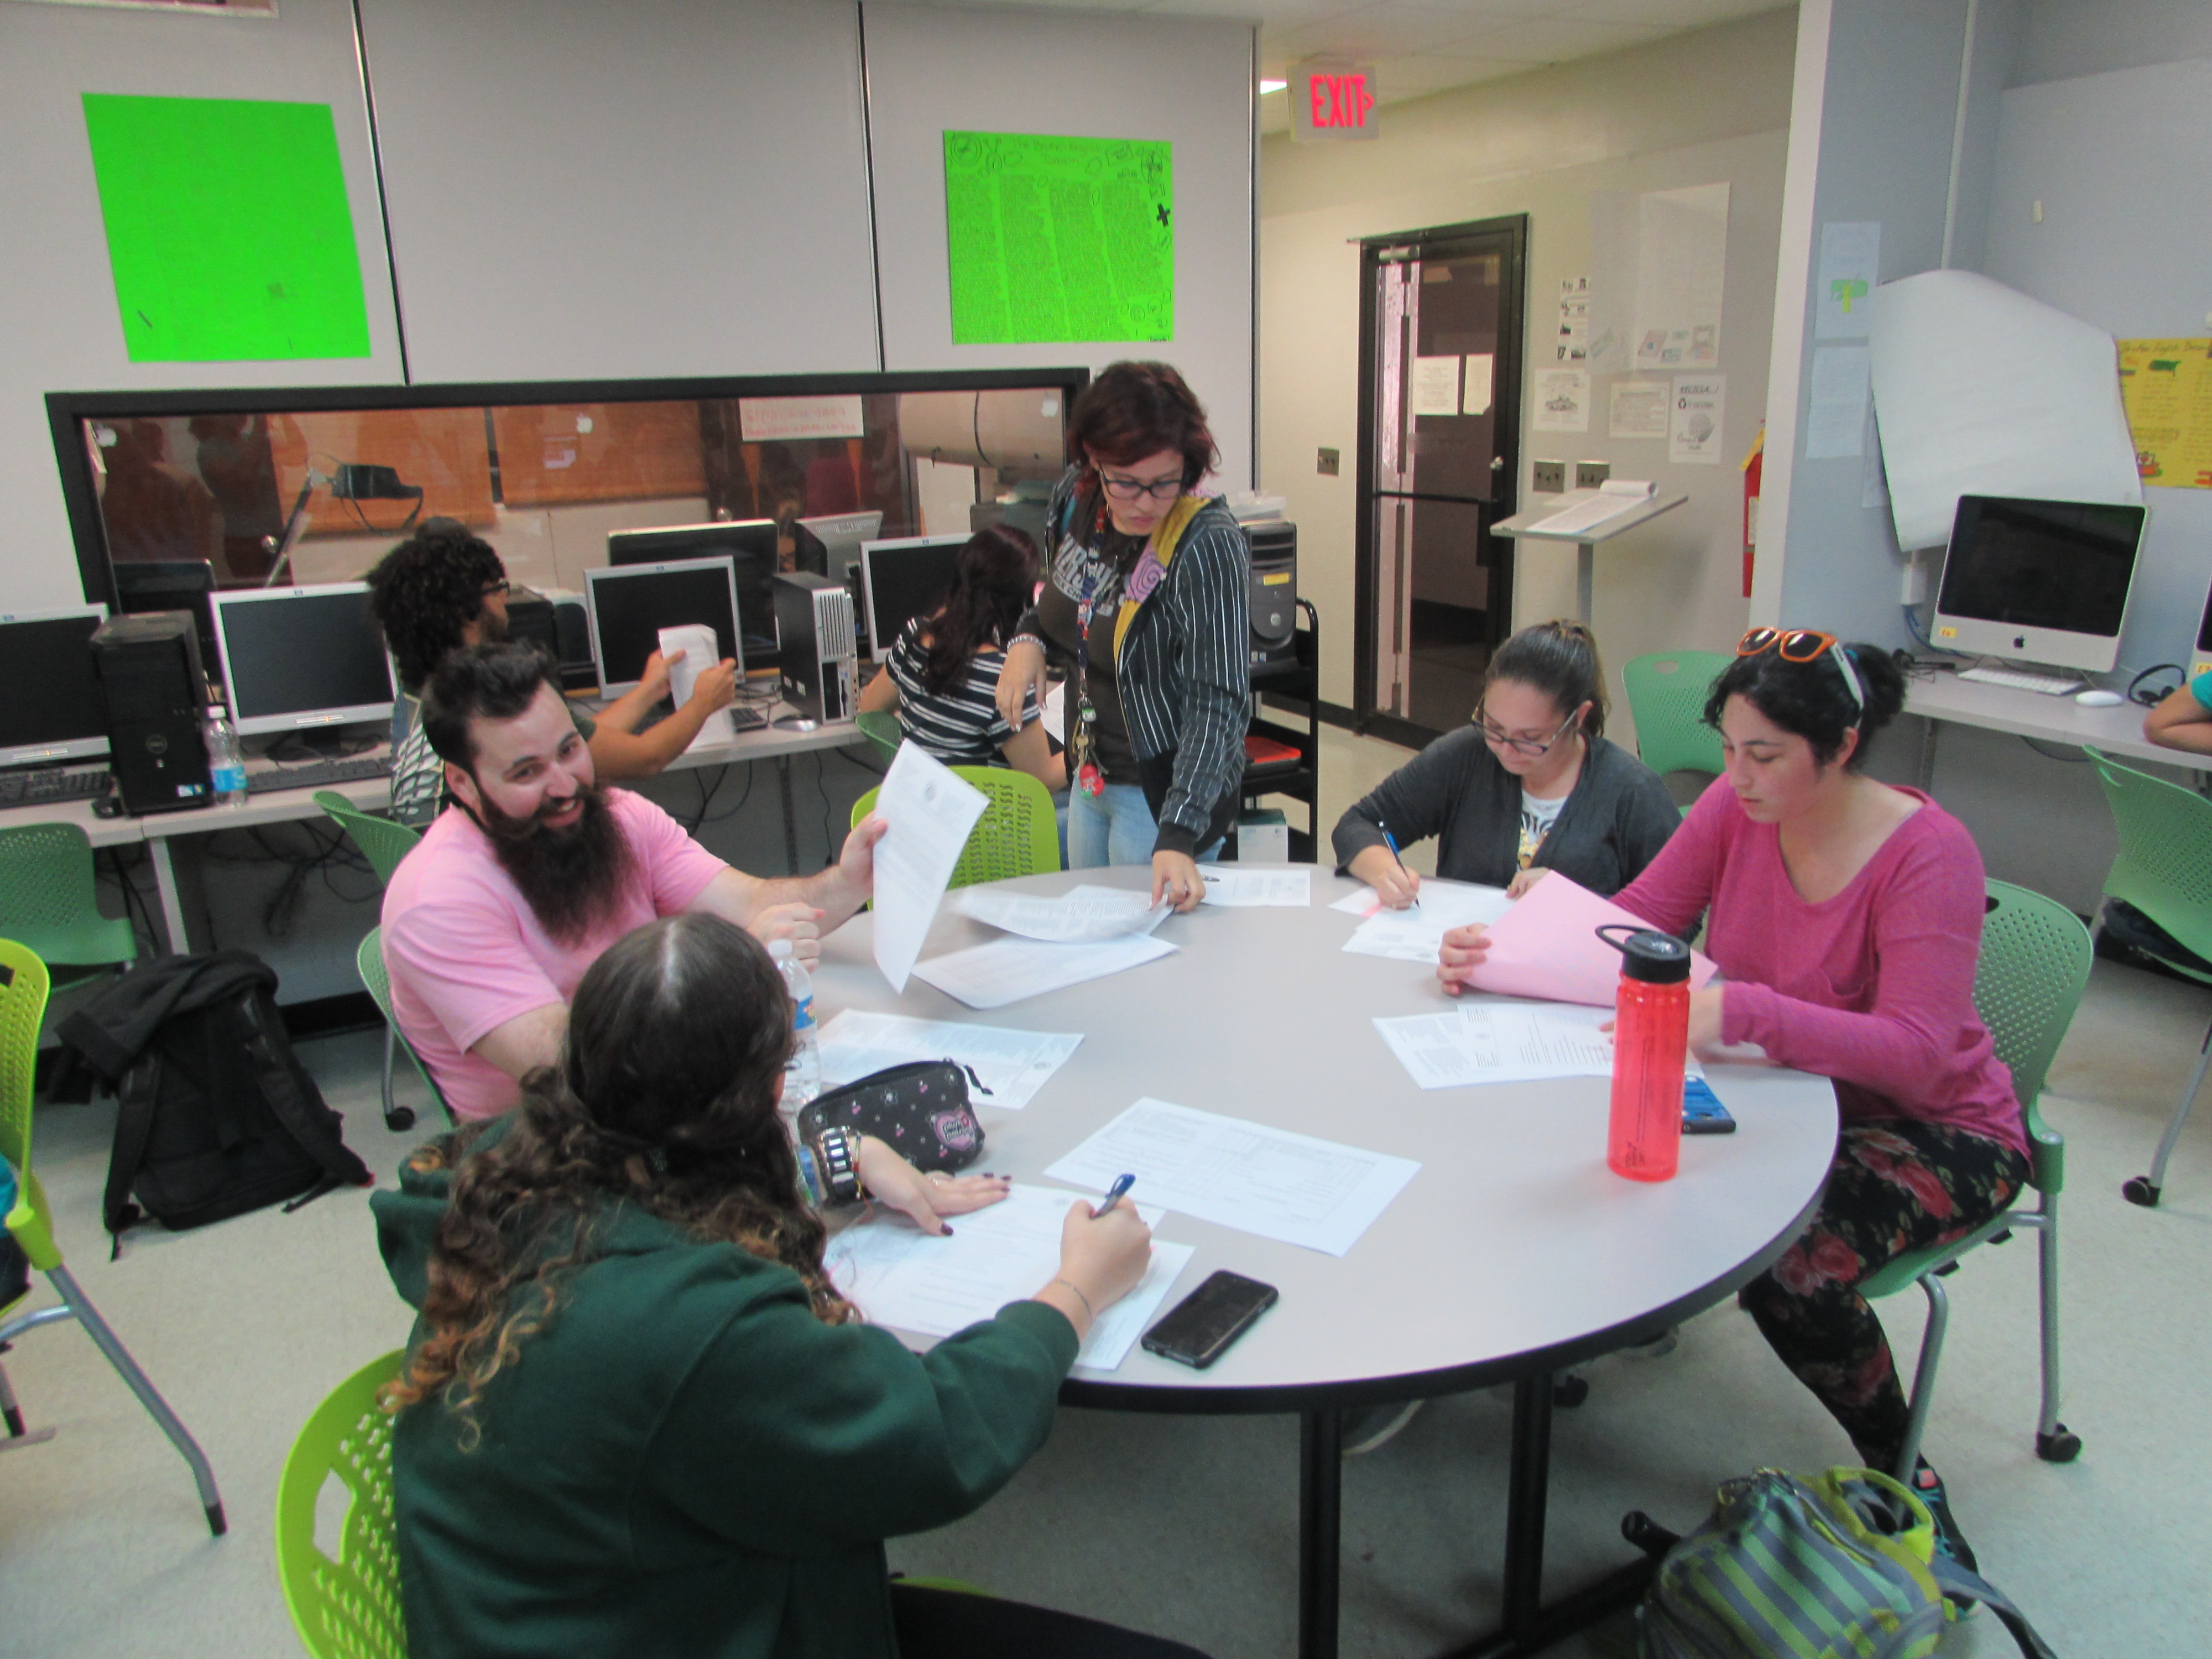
point(1290, 890)
point(1081, 915)
point(1836, 419)
point(1008, 970)
point(1611, 499)
point(904, 1278)
point(701, 652)
point(1434, 388)
point(1500, 1043)
point(1416, 935)
point(1013, 1065)
point(1315, 1194)
point(930, 812)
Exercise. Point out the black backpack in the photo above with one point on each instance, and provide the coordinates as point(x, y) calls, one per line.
point(216, 1116)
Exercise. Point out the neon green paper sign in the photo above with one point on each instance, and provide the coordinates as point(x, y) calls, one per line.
point(228, 229)
point(1059, 239)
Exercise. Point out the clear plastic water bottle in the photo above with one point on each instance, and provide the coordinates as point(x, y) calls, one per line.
point(802, 1072)
point(226, 763)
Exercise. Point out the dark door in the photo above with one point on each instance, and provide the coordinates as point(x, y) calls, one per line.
point(1440, 390)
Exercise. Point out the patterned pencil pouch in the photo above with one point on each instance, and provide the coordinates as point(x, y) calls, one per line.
point(920, 1110)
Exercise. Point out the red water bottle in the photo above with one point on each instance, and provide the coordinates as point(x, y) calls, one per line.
point(1651, 1044)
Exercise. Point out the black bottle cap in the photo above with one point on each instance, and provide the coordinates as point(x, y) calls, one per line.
point(1653, 957)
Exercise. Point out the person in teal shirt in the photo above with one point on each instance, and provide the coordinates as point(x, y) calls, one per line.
point(637, 1418)
point(2183, 719)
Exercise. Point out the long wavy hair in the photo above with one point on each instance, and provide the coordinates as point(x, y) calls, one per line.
point(663, 1099)
point(993, 579)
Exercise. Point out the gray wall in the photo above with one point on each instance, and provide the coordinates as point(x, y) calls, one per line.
point(2060, 39)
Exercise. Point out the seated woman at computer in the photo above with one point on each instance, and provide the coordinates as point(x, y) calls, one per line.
point(2183, 719)
point(1145, 602)
point(943, 675)
point(637, 1416)
point(443, 588)
point(1846, 916)
point(1531, 785)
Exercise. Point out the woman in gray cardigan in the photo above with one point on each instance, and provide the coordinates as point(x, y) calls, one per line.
point(1532, 784)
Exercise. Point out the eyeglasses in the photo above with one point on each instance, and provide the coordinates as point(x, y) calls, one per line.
point(1137, 489)
point(1803, 645)
point(490, 588)
point(1495, 736)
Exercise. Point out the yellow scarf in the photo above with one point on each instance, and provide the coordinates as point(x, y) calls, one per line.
point(1167, 536)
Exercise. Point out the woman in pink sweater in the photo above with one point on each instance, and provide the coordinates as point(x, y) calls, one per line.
point(1846, 918)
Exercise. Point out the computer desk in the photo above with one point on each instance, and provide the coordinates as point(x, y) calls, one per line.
point(1513, 1254)
point(1944, 698)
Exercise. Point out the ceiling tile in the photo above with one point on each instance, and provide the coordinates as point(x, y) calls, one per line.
point(1670, 14)
point(1379, 31)
point(1554, 40)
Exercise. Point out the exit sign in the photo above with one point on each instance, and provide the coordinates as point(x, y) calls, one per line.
point(1332, 100)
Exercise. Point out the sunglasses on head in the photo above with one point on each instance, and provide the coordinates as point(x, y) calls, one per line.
point(1803, 645)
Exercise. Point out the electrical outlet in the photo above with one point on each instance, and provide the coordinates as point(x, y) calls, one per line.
point(1549, 477)
point(1588, 475)
point(1328, 462)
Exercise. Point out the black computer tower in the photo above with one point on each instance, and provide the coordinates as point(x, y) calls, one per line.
point(556, 624)
point(814, 622)
point(156, 696)
point(1274, 593)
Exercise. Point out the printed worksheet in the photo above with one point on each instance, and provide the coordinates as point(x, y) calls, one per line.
point(930, 811)
point(1417, 934)
point(1006, 970)
point(1279, 1185)
point(696, 643)
point(1013, 1065)
point(902, 1277)
point(1081, 915)
point(1500, 1043)
point(1290, 889)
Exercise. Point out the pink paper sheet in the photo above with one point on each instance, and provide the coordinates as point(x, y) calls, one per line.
point(1546, 947)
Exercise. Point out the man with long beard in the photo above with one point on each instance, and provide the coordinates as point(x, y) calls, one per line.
point(516, 890)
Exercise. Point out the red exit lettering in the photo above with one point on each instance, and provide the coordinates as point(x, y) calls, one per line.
point(1339, 100)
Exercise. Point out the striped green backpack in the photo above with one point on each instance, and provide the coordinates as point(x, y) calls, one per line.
point(1840, 1566)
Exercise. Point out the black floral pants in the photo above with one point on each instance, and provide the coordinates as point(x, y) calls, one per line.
point(1896, 1185)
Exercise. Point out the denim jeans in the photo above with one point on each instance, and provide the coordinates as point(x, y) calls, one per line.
point(1116, 827)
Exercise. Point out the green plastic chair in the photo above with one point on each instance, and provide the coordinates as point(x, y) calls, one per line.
point(2164, 868)
point(1016, 835)
point(23, 989)
point(2035, 966)
point(383, 844)
point(883, 730)
point(347, 1607)
point(1666, 694)
point(369, 961)
point(50, 902)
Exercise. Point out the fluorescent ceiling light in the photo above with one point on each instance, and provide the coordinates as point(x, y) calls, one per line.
point(1266, 86)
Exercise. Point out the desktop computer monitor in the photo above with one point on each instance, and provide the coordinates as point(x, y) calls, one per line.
point(903, 579)
point(629, 605)
point(748, 543)
point(53, 710)
point(2041, 582)
point(299, 657)
point(828, 546)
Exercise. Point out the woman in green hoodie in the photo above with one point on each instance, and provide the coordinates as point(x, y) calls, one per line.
point(637, 1418)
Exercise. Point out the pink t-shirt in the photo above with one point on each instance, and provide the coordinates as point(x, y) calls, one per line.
point(1873, 988)
point(466, 955)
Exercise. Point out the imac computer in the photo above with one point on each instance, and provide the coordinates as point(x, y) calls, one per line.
point(629, 605)
point(904, 579)
point(2038, 582)
point(300, 657)
point(748, 543)
point(53, 710)
point(829, 546)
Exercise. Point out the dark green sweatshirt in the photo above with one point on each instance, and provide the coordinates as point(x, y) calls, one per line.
point(686, 1461)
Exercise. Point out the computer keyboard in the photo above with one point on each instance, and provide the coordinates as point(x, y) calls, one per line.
point(2012, 679)
point(39, 786)
point(317, 775)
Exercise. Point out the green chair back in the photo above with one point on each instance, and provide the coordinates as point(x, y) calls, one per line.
point(2164, 864)
point(1666, 694)
point(1016, 835)
point(24, 986)
point(2034, 967)
point(49, 900)
point(382, 843)
point(346, 1606)
point(883, 730)
point(369, 961)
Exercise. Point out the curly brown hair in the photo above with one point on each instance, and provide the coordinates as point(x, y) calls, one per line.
point(664, 1100)
point(426, 590)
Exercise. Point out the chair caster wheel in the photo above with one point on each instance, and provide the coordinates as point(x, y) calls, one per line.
point(1569, 1392)
point(399, 1119)
point(2061, 1445)
point(2137, 1189)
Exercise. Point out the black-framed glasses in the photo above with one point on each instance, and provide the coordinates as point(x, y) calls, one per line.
point(1803, 645)
point(1138, 489)
point(492, 588)
point(1532, 747)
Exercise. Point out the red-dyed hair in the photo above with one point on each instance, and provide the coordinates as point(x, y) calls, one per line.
point(1133, 409)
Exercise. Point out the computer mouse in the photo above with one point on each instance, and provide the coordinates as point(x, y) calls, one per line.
point(2098, 699)
point(107, 806)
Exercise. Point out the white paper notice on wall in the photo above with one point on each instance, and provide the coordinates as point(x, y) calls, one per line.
point(1836, 419)
point(1682, 265)
point(1478, 384)
point(1697, 418)
point(779, 419)
point(1850, 259)
point(1562, 400)
point(1984, 392)
point(1435, 390)
point(1639, 408)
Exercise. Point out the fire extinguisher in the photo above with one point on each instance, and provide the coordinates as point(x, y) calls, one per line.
point(1753, 465)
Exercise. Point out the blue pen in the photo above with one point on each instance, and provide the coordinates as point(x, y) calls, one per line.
point(1391, 841)
point(1122, 1184)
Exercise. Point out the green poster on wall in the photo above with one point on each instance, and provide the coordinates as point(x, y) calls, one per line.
point(1059, 239)
point(228, 229)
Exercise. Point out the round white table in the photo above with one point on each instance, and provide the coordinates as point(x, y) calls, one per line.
point(1513, 1253)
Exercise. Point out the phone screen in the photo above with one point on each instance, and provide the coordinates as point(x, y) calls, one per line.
point(1200, 1327)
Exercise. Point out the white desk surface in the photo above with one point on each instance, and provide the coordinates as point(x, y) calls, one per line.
point(100, 831)
point(2117, 731)
point(1513, 1250)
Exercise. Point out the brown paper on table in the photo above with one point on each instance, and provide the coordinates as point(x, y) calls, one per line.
point(1547, 946)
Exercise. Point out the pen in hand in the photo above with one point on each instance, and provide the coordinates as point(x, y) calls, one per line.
point(1391, 841)
point(1122, 1184)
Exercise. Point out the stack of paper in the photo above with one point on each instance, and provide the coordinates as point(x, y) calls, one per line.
point(1546, 946)
point(1012, 1065)
point(1609, 500)
point(1417, 934)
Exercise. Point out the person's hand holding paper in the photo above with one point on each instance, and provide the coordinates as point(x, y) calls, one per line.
point(1547, 946)
point(929, 811)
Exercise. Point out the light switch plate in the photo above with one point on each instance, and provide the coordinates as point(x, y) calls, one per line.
point(1588, 475)
point(1328, 462)
point(1549, 477)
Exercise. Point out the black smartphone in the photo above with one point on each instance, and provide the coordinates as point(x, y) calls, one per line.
point(1702, 1111)
point(1199, 1329)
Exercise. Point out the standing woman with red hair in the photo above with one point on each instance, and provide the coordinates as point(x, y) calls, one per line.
point(1146, 606)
